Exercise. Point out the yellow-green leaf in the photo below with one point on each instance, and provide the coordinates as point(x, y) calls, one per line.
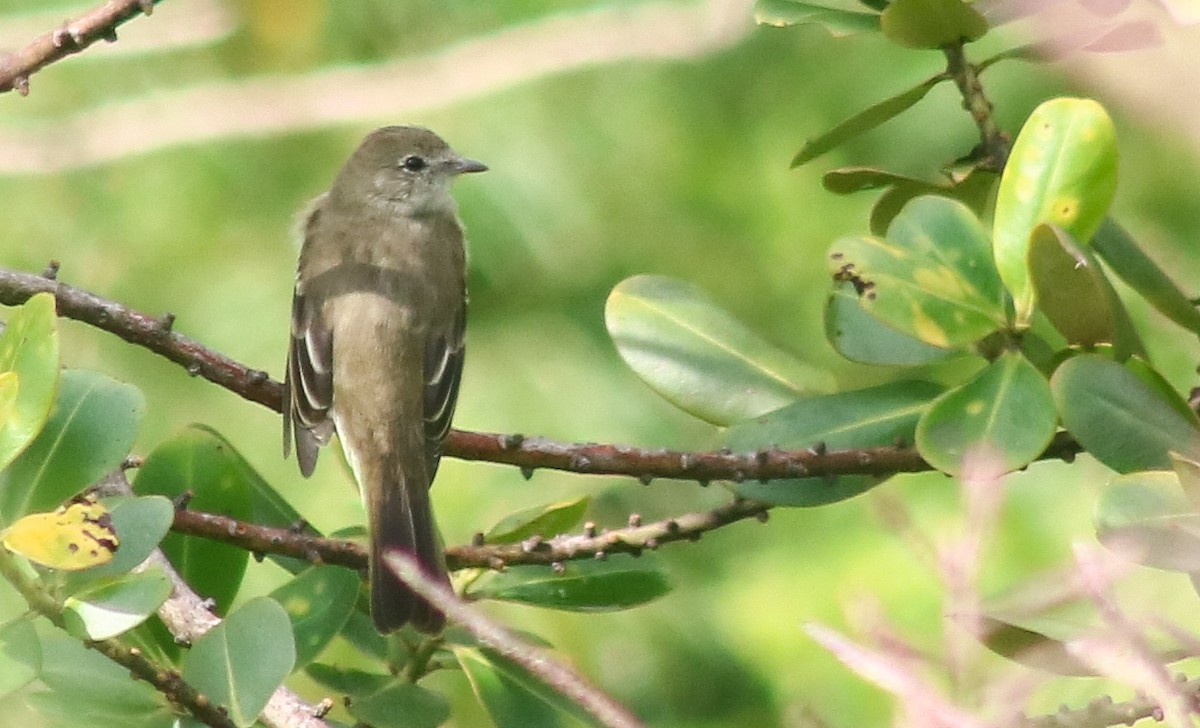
point(1062, 171)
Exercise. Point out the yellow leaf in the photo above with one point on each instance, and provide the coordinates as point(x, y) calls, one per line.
point(78, 535)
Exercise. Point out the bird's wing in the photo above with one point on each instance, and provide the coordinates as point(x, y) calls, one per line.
point(308, 387)
point(443, 372)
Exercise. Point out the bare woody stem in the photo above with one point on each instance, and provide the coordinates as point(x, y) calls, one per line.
point(591, 544)
point(168, 682)
point(527, 453)
point(993, 143)
point(100, 23)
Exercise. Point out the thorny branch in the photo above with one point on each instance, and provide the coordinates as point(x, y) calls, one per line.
point(100, 23)
point(633, 539)
point(527, 453)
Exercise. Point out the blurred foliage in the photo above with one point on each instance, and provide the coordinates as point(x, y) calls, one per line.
point(677, 168)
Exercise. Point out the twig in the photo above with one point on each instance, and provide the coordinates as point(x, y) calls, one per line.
point(537, 662)
point(550, 45)
point(168, 682)
point(993, 148)
point(527, 453)
point(100, 23)
point(188, 618)
point(633, 539)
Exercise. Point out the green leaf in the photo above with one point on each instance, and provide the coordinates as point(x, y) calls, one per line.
point(1031, 648)
point(94, 423)
point(401, 705)
point(999, 421)
point(20, 655)
point(199, 461)
point(240, 662)
point(974, 190)
point(87, 690)
point(1146, 518)
point(931, 278)
point(1062, 171)
point(116, 605)
point(318, 602)
point(1118, 248)
point(583, 586)
point(361, 633)
point(347, 681)
point(931, 23)
point(865, 121)
point(547, 520)
point(859, 336)
point(698, 356)
point(511, 696)
point(839, 23)
point(1071, 289)
point(29, 349)
point(1118, 418)
point(876, 416)
point(267, 506)
point(849, 180)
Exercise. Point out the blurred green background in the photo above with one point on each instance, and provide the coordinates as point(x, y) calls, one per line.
point(675, 165)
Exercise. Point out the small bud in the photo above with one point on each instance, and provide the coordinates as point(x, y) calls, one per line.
point(512, 442)
point(635, 520)
point(645, 479)
point(527, 472)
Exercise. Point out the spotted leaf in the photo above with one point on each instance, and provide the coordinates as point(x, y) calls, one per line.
point(932, 276)
point(78, 535)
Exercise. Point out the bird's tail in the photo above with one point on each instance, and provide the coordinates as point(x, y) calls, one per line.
point(401, 520)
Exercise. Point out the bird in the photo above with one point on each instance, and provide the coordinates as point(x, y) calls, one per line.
point(377, 341)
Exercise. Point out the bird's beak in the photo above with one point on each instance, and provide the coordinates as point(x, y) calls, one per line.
point(462, 165)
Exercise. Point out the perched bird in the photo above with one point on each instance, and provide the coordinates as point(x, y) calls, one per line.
point(376, 350)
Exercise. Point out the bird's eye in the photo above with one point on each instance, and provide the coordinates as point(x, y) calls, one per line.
point(414, 163)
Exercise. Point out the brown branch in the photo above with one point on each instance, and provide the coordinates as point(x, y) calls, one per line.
point(153, 333)
point(633, 539)
point(99, 23)
point(548, 46)
point(527, 453)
